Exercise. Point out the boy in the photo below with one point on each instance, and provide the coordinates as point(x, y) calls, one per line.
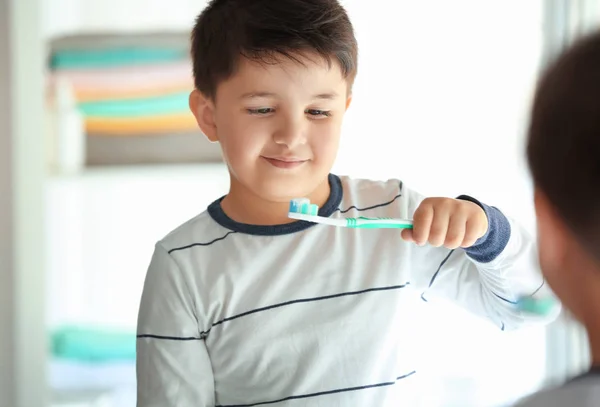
point(244, 307)
point(564, 157)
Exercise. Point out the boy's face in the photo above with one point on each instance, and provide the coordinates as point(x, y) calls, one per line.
point(278, 125)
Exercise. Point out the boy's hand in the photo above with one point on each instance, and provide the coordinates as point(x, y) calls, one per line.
point(449, 222)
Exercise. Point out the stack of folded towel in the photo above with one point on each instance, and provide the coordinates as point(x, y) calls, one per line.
point(92, 344)
point(133, 101)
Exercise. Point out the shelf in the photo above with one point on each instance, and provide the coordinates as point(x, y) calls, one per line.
point(101, 227)
point(174, 172)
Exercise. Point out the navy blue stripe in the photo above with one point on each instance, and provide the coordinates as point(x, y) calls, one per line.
point(515, 302)
point(305, 300)
point(539, 288)
point(436, 273)
point(505, 299)
point(406, 375)
point(201, 244)
point(323, 393)
point(440, 267)
point(169, 338)
point(374, 206)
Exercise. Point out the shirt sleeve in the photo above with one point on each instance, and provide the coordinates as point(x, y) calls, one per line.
point(489, 277)
point(173, 365)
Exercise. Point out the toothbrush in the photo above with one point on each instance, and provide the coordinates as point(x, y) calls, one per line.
point(538, 306)
point(302, 209)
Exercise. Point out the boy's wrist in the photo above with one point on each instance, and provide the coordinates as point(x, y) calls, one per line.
point(490, 245)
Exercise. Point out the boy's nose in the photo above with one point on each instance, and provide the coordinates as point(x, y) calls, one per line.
point(290, 134)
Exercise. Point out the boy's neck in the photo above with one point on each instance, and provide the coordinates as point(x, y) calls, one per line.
point(243, 206)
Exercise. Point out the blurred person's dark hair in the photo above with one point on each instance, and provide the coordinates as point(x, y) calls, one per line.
point(564, 140)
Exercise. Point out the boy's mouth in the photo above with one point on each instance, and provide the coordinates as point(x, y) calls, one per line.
point(285, 162)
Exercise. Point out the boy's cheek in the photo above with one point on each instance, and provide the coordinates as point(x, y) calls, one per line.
point(324, 141)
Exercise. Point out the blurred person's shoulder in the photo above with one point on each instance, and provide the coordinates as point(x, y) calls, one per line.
point(583, 391)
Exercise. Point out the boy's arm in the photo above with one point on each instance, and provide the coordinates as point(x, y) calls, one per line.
point(488, 277)
point(173, 366)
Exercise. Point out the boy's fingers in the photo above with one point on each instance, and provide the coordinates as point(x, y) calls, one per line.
point(439, 228)
point(422, 224)
point(456, 231)
point(471, 236)
point(407, 234)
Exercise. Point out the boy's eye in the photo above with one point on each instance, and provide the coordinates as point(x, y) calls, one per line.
point(261, 111)
point(315, 113)
point(318, 113)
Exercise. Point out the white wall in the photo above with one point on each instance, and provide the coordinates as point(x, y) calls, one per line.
point(441, 96)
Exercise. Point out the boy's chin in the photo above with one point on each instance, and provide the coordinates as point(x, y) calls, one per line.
point(284, 190)
point(281, 194)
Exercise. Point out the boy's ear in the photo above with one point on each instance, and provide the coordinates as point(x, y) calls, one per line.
point(348, 102)
point(203, 110)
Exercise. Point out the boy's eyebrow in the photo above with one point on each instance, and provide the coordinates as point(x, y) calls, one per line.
point(330, 95)
point(251, 95)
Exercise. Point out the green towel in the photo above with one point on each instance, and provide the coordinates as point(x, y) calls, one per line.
point(93, 344)
point(114, 57)
point(152, 106)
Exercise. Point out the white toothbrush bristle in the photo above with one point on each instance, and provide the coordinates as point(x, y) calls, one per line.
point(304, 207)
point(296, 205)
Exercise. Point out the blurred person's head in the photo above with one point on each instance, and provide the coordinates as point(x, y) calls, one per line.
point(273, 81)
point(564, 156)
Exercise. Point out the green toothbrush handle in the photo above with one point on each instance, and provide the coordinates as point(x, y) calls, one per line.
point(381, 226)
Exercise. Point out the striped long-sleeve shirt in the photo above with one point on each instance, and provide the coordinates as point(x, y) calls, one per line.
point(312, 315)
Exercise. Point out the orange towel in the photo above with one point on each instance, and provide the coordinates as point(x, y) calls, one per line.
point(158, 125)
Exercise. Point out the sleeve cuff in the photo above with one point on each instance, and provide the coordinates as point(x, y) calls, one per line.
point(490, 245)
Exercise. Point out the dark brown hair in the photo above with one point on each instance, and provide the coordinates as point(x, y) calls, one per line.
point(564, 139)
point(265, 30)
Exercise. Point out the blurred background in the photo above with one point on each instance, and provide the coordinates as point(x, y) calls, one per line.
point(100, 158)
